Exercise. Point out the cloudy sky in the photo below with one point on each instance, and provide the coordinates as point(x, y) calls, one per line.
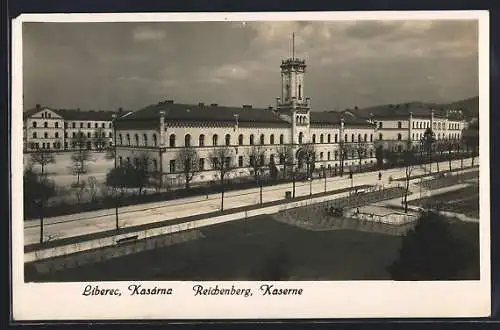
point(132, 65)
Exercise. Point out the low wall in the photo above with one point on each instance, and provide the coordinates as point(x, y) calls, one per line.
point(166, 230)
point(98, 255)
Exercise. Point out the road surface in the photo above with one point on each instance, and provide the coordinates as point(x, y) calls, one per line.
point(134, 215)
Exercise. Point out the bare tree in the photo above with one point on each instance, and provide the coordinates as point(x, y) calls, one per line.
point(188, 160)
point(100, 140)
point(361, 150)
point(80, 156)
point(428, 141)
point(345, 149)
point(285, 154)
point(256, 155)
point(93, 187)
point(308, 155)
point(222, 162)
point(42, 157)
point(409, 168)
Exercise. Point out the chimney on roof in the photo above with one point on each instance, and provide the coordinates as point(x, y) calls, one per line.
point(201, 104)
point(120, 110)
point(214, 105)
point(247, 106)
point(38, 106)
point(169, 101)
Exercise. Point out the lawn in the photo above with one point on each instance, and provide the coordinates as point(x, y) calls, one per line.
point(256, 249)
point(465, 201)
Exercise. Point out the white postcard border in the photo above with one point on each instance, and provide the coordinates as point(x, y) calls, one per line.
point(339, 299)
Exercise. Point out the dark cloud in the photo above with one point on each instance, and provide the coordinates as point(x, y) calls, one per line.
point(130, 65)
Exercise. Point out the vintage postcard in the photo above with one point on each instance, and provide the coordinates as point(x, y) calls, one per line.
point(250, 165)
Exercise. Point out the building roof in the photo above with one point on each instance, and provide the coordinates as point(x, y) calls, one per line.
point(202, 112)
point(418, 109)
point(75, 114)
point(334, 117)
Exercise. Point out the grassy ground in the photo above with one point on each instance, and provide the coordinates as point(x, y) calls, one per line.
point(259, 249)
point(465, 200)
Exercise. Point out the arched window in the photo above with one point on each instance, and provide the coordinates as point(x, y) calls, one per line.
point(329, 138)
point(251, 139)
point(359, 137)
point(215, 140)
point(34, 124)
point(380, 136)
point(34, 135)
point(345, 138)
point(287, 90)
point(352, 137)
point(45, 124)
point(314, 138)
point(271, 139)
point(321, 138)
point(371, 137)
point(439, 126)
point(155, 140)
point(365, 137)
point(110, 135)
point(120, 137)
point(399, 136)
point(282, 139)
point(201, 140)
point(155, 165)
point(145, 140)
point(262, 139)
point(136, 137)
point(56, 124)
point(187, 140)
point(336, 138)
point(301, 136)
point(300, 92)
point(399, 124)
point(128, 138)
point(297, 119)
point(228, 139)
point(172, 140)
point(240, 139)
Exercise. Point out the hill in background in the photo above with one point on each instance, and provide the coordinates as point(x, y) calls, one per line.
point(469, 109)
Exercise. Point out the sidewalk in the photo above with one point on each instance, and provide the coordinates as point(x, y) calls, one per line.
point(277, 191)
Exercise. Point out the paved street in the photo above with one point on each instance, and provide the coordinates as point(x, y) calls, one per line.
point(96, 221)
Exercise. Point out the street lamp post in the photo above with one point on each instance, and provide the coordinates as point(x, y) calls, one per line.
point(117, 225)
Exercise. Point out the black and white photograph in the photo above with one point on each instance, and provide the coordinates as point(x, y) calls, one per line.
point(248, 160)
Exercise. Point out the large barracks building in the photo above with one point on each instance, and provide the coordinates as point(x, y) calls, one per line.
point(159, 132)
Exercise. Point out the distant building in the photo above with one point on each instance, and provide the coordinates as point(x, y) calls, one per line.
point(401, 125)
point(57, 129)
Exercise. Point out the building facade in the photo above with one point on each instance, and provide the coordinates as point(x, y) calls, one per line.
point(60, 129)
point(158, 134)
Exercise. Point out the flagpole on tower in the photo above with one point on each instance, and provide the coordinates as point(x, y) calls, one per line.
point(293, 45)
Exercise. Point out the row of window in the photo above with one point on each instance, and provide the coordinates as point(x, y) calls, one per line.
point(173, 164)
point(57, 145)
point(227, 140)
point(419, 136)
point(421, 124)
point(56, 135)
point(56, 125)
